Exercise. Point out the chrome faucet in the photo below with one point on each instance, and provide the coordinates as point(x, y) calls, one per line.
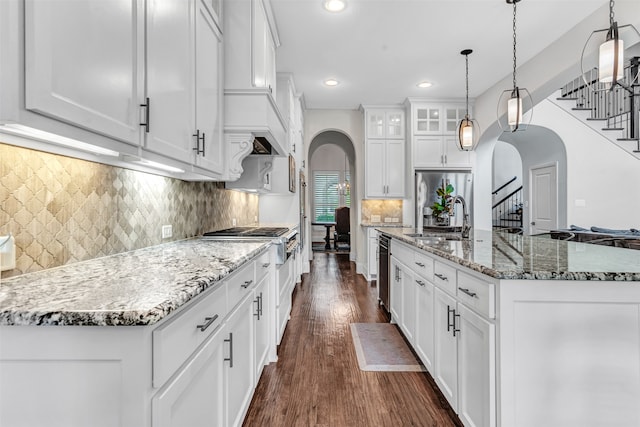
point(466, 228)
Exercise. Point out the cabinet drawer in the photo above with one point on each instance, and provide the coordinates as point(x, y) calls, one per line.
point(177, 339)
point(423, 265)
point(263, 265)
point(241, 283)
point(444, 276)
point(477, 294)
point(402, 252)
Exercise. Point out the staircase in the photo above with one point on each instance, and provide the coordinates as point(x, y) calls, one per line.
point(507, 212)
point(613, 113)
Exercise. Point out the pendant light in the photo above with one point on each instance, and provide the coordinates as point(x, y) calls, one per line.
point(515, 106)
point(610, 71)
point(468, 129)
point(344, 187)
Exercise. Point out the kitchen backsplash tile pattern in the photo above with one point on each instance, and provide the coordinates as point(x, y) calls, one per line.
point(62, 210)
point(379, 210)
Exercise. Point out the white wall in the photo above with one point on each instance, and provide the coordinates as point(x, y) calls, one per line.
point(351, 124)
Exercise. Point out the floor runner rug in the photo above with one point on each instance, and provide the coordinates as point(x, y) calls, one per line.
point(380, 347)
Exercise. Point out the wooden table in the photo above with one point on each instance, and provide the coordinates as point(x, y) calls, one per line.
point(327, 237)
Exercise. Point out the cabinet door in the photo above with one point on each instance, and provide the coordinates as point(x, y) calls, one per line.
point(374, 168)
point(394, 124)
point(427, 120)
point(376, 124)
point(263, 49)
point(395, 293)
point(82, 64)
point(195, 397)
point(262, 320)
point(373, 256)
point(445, 372)
point(427, 151)
point(170, 78)
point(476, 370)
point(239, 361)
point(208, 91)
point(394, 169)
point(424, 340)
point(408, 314)
point(452, 116)
point(453, 156)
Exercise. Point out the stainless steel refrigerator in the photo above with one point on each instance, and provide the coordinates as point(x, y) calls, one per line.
point(427, 183)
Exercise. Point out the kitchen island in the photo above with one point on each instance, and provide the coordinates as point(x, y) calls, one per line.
point(522, 330)
point(171, 335)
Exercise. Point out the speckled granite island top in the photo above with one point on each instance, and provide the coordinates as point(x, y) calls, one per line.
point(509, 256)
point(133, 288)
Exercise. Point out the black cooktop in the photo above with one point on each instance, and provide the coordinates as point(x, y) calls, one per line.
point(249, 232)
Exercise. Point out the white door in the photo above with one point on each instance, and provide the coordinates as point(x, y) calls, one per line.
point(544, 199)
point(82, 64)
point(394, 165)
point(375, 160)
point(208, 91)
point(424, 323)
point(170, 78)
point(446, 358)
point(261, 316)
point(195, 396)
point(476, 370)
point(427, 151)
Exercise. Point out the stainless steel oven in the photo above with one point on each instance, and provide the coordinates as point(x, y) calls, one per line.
point(284, 239)
point(383, 271)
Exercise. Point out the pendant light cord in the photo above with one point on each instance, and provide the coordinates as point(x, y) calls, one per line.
point(611, 15)
point(466, 57)
point(514, 44)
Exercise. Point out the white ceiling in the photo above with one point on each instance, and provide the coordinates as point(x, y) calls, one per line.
point(380, 49)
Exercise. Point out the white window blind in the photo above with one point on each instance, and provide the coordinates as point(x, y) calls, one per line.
point(326, 197)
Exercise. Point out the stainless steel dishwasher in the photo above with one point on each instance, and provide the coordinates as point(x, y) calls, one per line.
point(383, 271)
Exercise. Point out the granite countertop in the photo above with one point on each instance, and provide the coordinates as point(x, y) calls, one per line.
point(132, 288)
point(509, 256)
point(381, 224)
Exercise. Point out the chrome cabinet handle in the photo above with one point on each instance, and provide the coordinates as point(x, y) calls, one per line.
point(208, 321)
point(199, 138)
point(230, 358)
point(455, 329)
point(419, 264)
point(441, 276)
point(147, 107)
point(247, 283)
point(468, 292)
point(260, 306)
point(257, 303)
point(420, 282)
point(449, 311)
point(266, 265)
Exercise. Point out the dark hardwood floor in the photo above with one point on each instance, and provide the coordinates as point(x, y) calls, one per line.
point(317, 381)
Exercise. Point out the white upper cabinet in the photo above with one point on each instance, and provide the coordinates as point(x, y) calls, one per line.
point(82, 64)
point(436, 119)
point(439, 152)
point(170, 78)
point(385, 124)
point(263, 50)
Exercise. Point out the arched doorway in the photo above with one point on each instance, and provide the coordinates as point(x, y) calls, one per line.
point(332, 160)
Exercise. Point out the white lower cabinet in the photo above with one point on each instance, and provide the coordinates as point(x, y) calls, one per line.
point(395, 291)
point(195, 397)
point(408, 313)
point(424, 334)
point(445, 371)
point(261, 325)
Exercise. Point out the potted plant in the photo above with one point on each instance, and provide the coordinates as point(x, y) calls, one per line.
point(442, 206)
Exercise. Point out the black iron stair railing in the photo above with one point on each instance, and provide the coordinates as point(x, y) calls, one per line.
point(618, 107)
point(507, 213)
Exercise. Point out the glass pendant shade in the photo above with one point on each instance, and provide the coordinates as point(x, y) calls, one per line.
point(468, 134)
point(515, 110)
point(607, 58)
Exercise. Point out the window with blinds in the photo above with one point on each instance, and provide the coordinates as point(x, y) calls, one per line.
point(327, 195)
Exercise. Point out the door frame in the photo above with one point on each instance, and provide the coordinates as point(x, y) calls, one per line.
point(553, 164)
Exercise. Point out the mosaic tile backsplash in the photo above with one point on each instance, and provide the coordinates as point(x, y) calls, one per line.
point(63, 210)
point(382, 208)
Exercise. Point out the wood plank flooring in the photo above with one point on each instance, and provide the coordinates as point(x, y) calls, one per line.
point(317, 381)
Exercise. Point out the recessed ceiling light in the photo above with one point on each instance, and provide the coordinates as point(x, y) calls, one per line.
point(424, 84)
point(331, 82)
point(335, 5)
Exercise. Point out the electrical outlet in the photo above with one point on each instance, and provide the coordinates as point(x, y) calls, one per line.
point(375, 218)
point(233, 222)
point(255, 218)
point(167, 231)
